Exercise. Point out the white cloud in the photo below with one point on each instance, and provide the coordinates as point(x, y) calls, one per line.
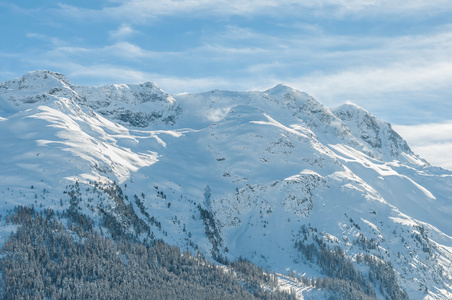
point(7, 74)
point(431, 133)
point(109, 73)
point(122, 50)
point(370, 81)
point(343, 52)
point(68, 50)
point(224, 50)
point(364, 67)
point(124, 31)
point(143, 10)
point(431, 141)
point(118, 74)
point(9, 55)
point(45, 38)
point(125, 49)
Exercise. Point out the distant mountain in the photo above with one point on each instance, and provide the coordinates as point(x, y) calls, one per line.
point(272, 176)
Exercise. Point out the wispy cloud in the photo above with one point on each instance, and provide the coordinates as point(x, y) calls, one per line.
point(116, 74)
point(142, 10)
point(124, 31)
point(431, 141)
point(120, 50)
point(46, 38)
point(334, 66)
point(127, 50)
point(377, 80)
point(123, 74)
point(225, 50)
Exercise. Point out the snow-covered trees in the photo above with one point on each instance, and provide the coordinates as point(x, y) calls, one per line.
point(45, 259)
point(344, 281)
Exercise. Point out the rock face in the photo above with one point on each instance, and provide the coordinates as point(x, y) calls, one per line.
point(381, 141)
point(133, 105)
point(273, 176)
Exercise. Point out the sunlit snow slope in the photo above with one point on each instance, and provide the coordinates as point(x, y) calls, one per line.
point(231, 174)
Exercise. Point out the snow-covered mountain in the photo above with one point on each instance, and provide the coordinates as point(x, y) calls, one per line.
point(265, 175)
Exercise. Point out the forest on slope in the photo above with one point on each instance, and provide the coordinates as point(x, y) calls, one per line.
point(63, 256)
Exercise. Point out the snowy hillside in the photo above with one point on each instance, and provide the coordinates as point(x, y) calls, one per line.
point(272, 176)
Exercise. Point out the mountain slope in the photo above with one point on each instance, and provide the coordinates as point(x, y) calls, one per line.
point(234, 174)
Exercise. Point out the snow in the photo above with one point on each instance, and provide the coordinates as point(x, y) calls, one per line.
point(289, 284)
point(272, 162)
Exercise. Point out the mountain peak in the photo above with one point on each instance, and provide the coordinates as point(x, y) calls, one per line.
point(290, 98)
point(283, 89)
point(149, 84)
point(350, 106)
point(36, 87)
point(39, 80)
point(378, 136)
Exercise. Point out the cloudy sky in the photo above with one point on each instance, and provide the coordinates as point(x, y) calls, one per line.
point(394, 58)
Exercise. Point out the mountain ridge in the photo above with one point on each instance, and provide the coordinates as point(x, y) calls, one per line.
point(232, 174)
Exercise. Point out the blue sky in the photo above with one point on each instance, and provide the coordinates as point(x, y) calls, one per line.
point(394, 58)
